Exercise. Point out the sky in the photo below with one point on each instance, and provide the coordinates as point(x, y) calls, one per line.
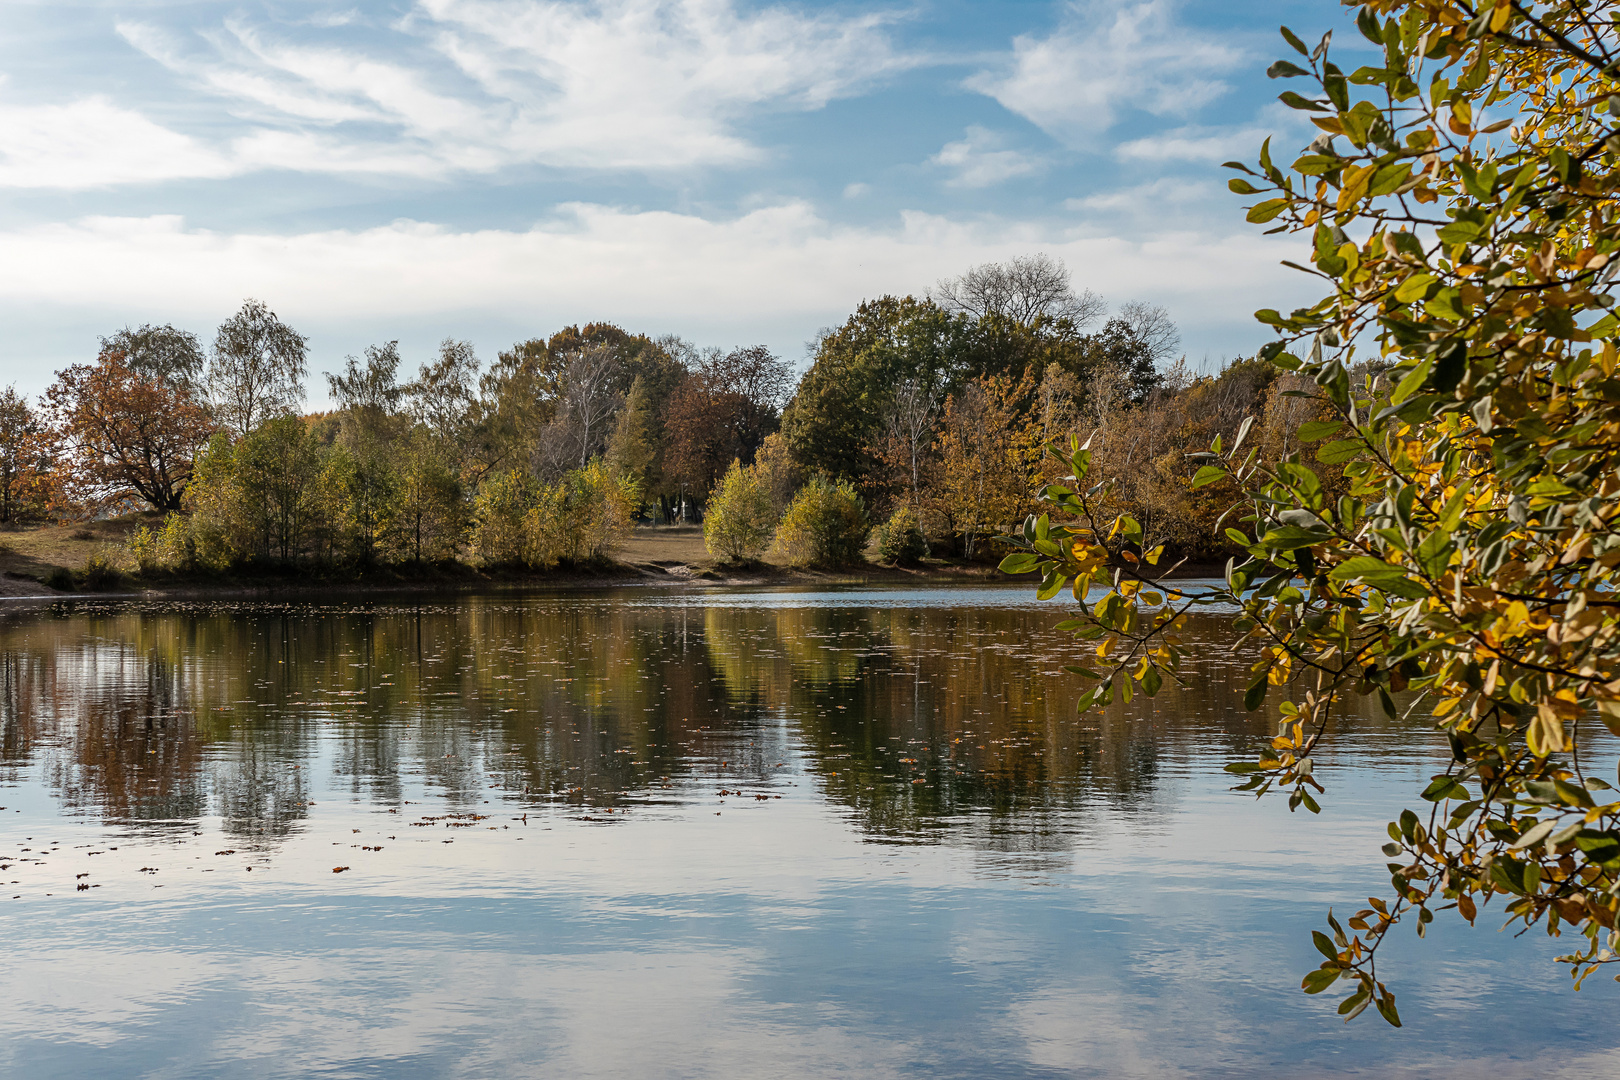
point(736, 173)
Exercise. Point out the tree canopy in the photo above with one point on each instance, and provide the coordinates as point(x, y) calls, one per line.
point(1458, 209)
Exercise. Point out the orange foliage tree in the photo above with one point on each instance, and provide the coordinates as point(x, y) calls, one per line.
point(126, 437)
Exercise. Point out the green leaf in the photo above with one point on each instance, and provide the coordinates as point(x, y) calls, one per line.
point(1285, 69)
point(1386, 1009)
point(1368, 569)
point(1207, 475)
point(1317, 164)
point(1261, 213)
point(1255, 694)
point(1324, 945)
point(1152, 681)
point(1242, 186)
point(1414, 288)
point(1296, 101)
point(1412, 382)
point(1341, 451)
point(1312, 430)
point(1289, 537)
point(1020, 562)
point(1292, 39)
point(1051, 586)
point(1319, 980)
point(1444, 787)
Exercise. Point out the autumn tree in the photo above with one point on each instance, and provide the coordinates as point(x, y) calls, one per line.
point(29, 479)
point(739, 521)
point(1458, 209)
point(257, 369)
point(443, 396)
point(125, 436)
point(985, 475)
point(723, 410)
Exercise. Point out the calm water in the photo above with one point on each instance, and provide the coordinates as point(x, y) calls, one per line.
point(719, 834)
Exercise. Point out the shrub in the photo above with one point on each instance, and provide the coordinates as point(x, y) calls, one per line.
point(900, 539)
point(143, 548)
point(826, 525)
point(739, 519)
point(101, 572)
point(500, 514)
point(168, 547)
point(61, 579)
point(579, 519)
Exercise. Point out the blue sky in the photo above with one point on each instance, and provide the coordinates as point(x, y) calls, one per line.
point(732, 172)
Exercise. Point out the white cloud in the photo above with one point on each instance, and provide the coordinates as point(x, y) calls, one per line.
point(1144, 200)
point(1104, 59)
point(979, 160)
point(485, 84)
point(93, 143)
point(771, 275)
point(1209, 146)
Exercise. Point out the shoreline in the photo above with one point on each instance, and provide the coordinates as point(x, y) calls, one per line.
point(658, 556)
point(472, 582)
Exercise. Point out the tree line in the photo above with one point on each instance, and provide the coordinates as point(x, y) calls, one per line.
point(929, 415)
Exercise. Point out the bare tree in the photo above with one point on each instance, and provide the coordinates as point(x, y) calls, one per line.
point(910, 422)
point(1151, 325)
point(587, 398)
point(1025, 288)
point(258, 368)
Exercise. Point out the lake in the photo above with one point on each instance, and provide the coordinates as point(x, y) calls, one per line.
point(725, 833)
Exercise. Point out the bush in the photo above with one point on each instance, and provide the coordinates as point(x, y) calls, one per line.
point(739, 519)
point(826, 525)
point(900, 539)
point(101, 572)
point(168, 547)
point(61, 579)
point(579, 519)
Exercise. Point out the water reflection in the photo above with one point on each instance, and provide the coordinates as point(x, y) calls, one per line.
point(519, 799)
point(923, 720)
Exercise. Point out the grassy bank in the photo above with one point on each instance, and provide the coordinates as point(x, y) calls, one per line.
point(51, 560)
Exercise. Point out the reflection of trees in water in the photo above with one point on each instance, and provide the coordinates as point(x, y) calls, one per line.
point(165, 714)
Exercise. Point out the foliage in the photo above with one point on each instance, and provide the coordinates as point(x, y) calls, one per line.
point(166, 354)
point(723, 410)
point(499, 536)
point(30, 475)
point(836, 414)
point(101, 571)
point(430, 511)
point(1470, 560)
point(826, 525)
point(985, 459)
point(900, 539)
point(168, 547)
point(126, 436)
point(739, 522)
point(521, 522)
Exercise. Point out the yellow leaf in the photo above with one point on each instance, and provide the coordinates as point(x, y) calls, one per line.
point(1609, 713)
point(1546, 732)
